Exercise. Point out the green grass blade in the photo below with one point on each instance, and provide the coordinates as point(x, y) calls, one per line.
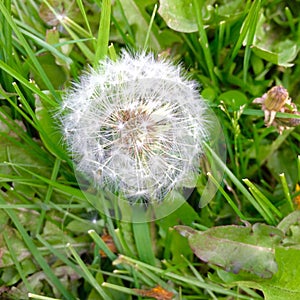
point(264, 200)
point(16, 262)
point(85, 17)
point(48, 195)
point(238, 184)
point(121, 289)
point(49, 144)
point(7, 49)
point(79, 42)
point(60, 256)
point(103, 32)
point(28, 49)
point(73, 29)
point(88, 274)
point(264, 203)
point(286, 191)
point(227, 197)
point(101, 244)
point(60, 187)
point(47, 46)
point(127, 25)
point(35, 296)
point(243, 32)
point(142, 236)
point(29, 84)
point(253, 16)
point(149, 28)
point(290, 19)
point(31, 145)
point(179, 278)
point(36, 253)
point(204, 41)
point(199, 276)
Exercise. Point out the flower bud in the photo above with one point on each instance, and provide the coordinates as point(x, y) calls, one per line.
point(276, 98)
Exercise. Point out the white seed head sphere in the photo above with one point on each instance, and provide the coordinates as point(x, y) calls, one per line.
point(136, 126)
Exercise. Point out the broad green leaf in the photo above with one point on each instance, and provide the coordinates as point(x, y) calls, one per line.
point(62, 52)
point(272, 45)
point(288, 221)
point(20, 154)
point(283, 161)
point(179, 15)
point(290, 225)
point(285, 284)
point(283, 58)
point(55, 73)
point(20, 249)
point(257, 64)
point(233, 99)
point(55, 235)
point(237, 248)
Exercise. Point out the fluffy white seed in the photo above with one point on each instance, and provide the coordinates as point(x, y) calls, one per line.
point(135, 126)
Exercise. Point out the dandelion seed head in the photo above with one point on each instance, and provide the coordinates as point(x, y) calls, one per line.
point(136, 126)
